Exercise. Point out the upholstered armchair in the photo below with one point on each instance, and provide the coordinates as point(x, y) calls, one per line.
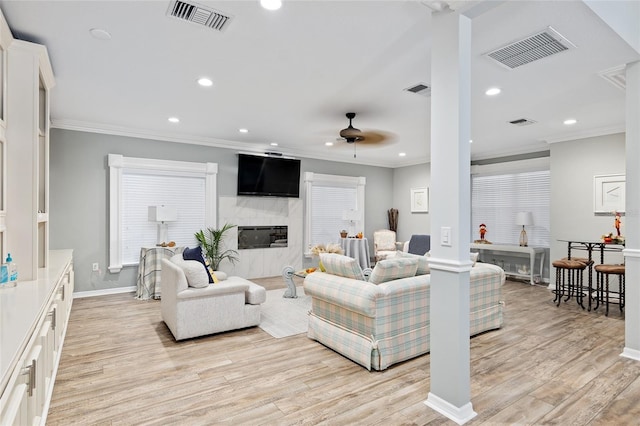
point(418, 244)
point(384, 244)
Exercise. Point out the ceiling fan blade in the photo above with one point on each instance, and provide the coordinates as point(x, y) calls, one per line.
point(375, 137)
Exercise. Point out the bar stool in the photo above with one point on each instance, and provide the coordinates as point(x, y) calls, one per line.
point(602, 285)
point(588, 263)
point(569, 279)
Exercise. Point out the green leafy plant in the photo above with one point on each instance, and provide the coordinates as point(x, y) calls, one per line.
point(212, 244)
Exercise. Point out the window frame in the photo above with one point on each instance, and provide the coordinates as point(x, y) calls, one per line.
point(311, 179)
point(119, 164)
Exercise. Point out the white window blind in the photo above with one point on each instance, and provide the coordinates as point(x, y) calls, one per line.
point(329, 203)
point(496, 199)
point(137, 183)
point(327, 198)
point(139, 191)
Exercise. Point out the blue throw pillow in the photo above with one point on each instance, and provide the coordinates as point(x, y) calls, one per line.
point(196, 254)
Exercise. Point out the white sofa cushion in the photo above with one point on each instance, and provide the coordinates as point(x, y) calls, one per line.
point(342, 266)
point(393, 269)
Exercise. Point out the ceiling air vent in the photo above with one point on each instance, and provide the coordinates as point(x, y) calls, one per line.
point(420, 89)
point(198, 14)
point(535, 47)
point(522, 122)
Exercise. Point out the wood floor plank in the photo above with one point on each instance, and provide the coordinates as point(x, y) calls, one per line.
point(548, 365)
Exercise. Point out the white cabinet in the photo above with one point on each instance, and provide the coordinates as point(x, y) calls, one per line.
point(35, 315)
point(29, 80)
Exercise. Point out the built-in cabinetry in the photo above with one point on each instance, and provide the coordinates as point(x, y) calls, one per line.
point(29, 80)
point(34, 317)
point(5, 40)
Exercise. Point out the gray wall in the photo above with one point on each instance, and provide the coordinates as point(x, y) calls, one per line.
point(79, 188)
point(573, 166)
point(404, 179)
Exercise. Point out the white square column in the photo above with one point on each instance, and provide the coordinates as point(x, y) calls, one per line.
point(632, 214)
point(450, 216)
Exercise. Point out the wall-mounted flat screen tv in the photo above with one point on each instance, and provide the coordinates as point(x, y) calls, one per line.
point(268, 176)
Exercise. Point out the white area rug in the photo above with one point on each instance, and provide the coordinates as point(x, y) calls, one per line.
point(282, 316)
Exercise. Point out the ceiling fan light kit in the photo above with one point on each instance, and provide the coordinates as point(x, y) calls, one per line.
point(351, 134)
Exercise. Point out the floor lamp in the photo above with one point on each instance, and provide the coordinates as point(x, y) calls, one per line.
point(524, 218)
point(162, 215)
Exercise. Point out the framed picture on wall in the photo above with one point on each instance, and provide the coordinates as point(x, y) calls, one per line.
point(419, 200)
point(609, 194)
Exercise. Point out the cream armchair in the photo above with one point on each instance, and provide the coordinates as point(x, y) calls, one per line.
point(384, 244)
point(191, 312)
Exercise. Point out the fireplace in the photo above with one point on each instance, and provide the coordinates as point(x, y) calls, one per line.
point(258, 237)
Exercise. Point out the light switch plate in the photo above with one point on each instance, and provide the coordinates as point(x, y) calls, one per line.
point(445, 236)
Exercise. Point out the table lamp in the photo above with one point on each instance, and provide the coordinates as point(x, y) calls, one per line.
point(162, 215)
point(524, 218)
point(351, 215)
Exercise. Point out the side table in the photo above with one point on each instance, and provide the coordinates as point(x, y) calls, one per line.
point(150, 268)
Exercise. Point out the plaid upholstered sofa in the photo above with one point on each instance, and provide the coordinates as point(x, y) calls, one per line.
point(385, 320)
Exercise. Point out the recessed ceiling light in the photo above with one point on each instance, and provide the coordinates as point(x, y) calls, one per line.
point(470, 140)
point(271, 4)
point(205, 82)
point(402, 154)
point(328, 143)
point(243, 130)
point(273, 144)
point(570, 121)
point(492, 91)
point(100, 34)
point(174, 120)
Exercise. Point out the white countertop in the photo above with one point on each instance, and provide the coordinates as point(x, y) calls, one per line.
point(21, 307)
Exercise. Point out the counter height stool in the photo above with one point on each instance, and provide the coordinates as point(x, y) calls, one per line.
point(569, 279)
point(602, 285)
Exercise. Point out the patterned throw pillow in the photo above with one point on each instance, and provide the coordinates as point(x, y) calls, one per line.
point(196, 254)
point(423, 261)
point(393, 269)
point(342, 266)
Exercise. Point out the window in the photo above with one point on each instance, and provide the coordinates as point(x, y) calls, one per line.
point(328, 198)
point(137, 183)
point(496, 199)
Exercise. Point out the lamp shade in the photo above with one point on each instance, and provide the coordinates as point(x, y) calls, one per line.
point(350, 215)
point(524, 218)
point(163, 213)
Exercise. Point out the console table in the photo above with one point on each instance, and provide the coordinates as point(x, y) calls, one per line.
point(150, 268)
point(530, 252)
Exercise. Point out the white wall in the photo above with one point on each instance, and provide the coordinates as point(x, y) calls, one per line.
point(405, 178)
point(573, 166)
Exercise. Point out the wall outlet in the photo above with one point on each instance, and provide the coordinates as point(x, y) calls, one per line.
point(95, 267)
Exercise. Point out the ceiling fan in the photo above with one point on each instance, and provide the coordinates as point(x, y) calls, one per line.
point(353, 135)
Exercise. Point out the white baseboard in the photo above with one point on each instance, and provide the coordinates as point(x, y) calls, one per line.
point(105, 292)
point(631, 354)
point(460, 415)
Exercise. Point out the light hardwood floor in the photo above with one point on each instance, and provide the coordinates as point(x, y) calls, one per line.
point(547, 365)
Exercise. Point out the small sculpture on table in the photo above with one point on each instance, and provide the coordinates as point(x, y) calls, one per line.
point(483, 231)
point(617, 223)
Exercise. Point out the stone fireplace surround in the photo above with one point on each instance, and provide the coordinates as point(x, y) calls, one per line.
point(257, 212)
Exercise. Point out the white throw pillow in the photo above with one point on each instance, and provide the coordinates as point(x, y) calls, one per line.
point(196, 275)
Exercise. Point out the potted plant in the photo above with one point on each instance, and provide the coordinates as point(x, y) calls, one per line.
point(212, 245)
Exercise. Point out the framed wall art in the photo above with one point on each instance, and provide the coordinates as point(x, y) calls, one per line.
point(419, 200)
point(608, 194)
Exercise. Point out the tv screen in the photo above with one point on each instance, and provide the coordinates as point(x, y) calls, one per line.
point(268, 176)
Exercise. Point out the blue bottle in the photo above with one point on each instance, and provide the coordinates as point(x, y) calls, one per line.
point(12, 268)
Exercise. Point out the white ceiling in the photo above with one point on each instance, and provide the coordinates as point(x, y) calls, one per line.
point(289, 76)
